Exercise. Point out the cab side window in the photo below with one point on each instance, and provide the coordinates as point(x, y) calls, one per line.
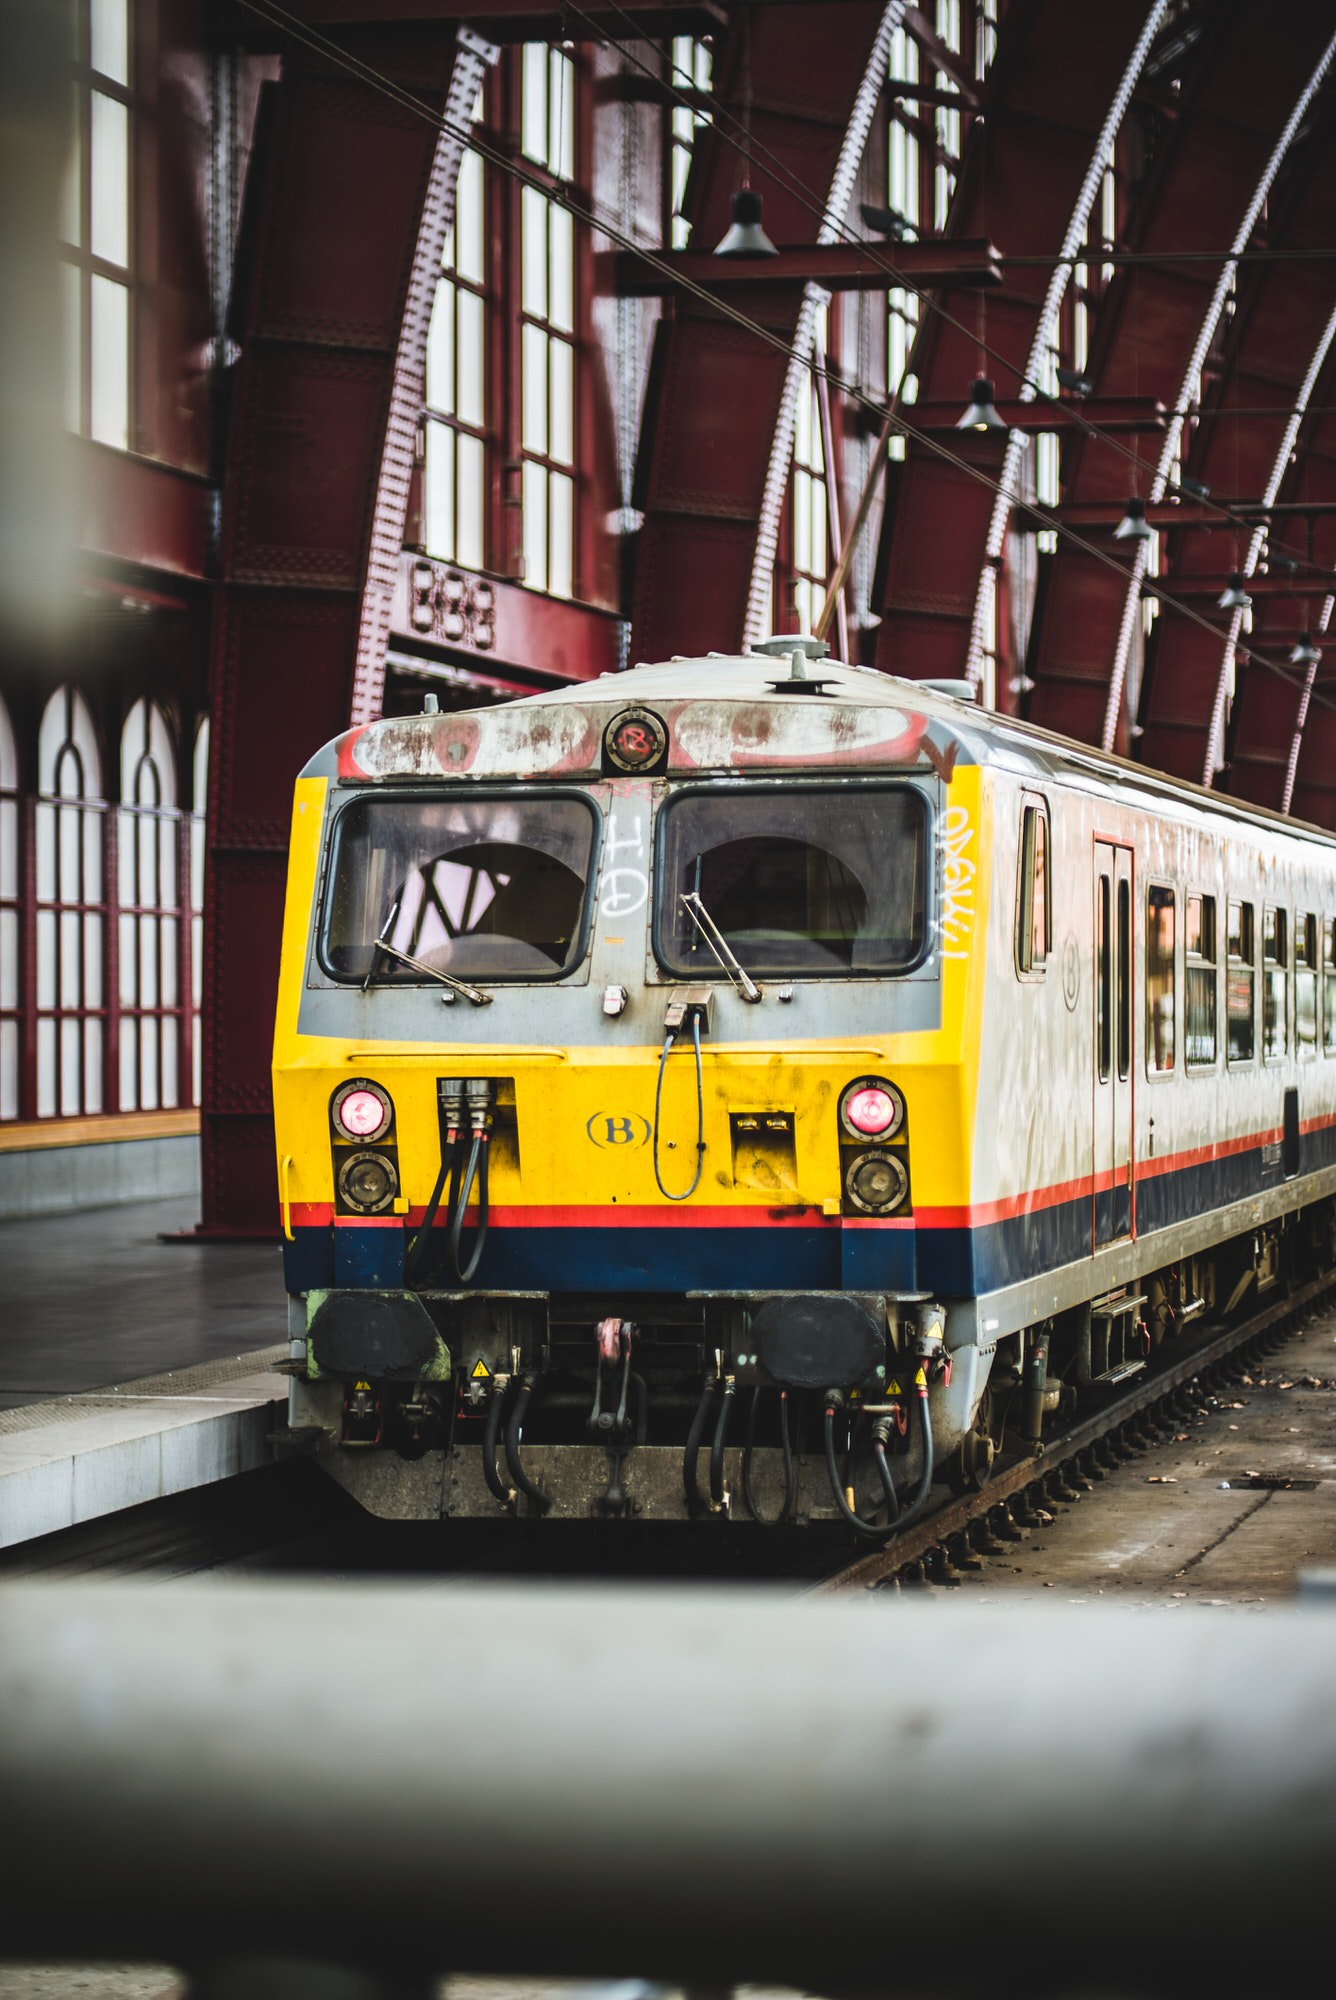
point(1034, 914)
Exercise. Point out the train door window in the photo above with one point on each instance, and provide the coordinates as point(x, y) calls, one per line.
point(1199, 951)
point(1103, 984)
point(1160, 926)
point(1034, 918)
point(1240, 981)
point(1274, 959)
point(1305, 986)
point(1124, 980)
point(1329, 985)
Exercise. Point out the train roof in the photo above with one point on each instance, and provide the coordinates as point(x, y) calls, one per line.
point(753, 714)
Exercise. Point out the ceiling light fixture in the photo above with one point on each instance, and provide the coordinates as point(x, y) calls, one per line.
point(1074, 382)
point(1234, 597)
point(745, 236)
point(1304, 653)
point(982, 412)
point(1134, 527)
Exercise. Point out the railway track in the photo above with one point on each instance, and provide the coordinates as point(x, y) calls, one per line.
point(1022, 1491)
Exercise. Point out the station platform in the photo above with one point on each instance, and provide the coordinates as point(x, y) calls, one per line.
point(130, 1367)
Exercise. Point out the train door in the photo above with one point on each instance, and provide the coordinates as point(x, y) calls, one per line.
point(1112, 1025)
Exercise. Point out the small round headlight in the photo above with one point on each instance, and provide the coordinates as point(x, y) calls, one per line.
point(361, 1110)
point(876, 1182)
point(871, 1108)
point(368, 1182)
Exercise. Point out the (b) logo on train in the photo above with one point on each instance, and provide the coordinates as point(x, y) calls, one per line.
point(618, 1131)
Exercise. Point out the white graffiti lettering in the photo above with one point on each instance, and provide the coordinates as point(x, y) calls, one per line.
point(625, 888)
point(958, 873)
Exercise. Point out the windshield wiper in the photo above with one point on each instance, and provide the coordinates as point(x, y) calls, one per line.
point(383, 944)
point(719, 945)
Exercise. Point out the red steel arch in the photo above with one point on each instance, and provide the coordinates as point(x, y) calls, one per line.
point(1048, 96)
point(790, 73)
point(1212, 160)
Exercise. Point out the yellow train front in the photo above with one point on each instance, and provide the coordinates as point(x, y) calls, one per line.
point(619, 1041)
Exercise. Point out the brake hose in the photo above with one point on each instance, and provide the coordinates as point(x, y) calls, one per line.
point(866, 1529)
point(479, 1153)
point(717, 1502)
point(696, 1501)
point(514, 1438)
point(700, 1116)
point(925, 1476)
point(491, 1438)
point(786, 1442)
point(415, 1257)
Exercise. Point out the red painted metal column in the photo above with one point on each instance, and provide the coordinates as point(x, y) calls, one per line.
point(792, 72)
point(339, 183)
point(1049, 91)
point(1314, 480)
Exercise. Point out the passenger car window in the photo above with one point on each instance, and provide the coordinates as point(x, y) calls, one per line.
point(1160, 925)
point(1274, 960)
point(1034, 922)
point(481, 888)
point(1199, 951)
point(1329, 985)
point(1305, 986)
point(1240, 979)
point(812, 880)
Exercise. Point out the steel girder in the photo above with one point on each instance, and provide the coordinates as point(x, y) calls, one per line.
point(1025, 167)
point(1153, 329)
point(715, 388)
point(1279, 333)
point(338, 191)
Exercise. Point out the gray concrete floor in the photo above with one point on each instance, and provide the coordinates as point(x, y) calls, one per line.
point(1179, 1525)
point(91, 1299)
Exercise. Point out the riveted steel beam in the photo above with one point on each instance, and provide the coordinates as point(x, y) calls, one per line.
point(839, 267)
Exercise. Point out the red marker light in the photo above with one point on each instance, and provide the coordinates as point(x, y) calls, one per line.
point(361, 1112)
point(871, 1112)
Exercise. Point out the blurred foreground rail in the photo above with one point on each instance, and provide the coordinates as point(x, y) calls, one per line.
point(694, 1786)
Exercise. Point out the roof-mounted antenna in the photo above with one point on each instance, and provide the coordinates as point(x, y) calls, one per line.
point(797, 648)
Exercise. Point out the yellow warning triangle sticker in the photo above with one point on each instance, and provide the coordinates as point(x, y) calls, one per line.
point(481, 1372)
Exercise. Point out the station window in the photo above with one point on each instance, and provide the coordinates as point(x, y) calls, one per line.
point(149, 915)
point(1240, 981)
point(811, 516)
point(1305, 986)
point(690, 72)
point(1034, 919)
point(97, 225)
point(69, 910)
point(10, 921)
point(1275, 957)
point(547, 325)
point(199, 792)
point(454, 492)
point(1199, 950)
point(1329, 985)
point(1160, 929)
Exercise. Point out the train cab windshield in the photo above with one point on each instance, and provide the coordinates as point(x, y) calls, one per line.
point(474, 888)
point(825, 879)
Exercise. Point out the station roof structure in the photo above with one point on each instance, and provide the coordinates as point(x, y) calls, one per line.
point(475, 405)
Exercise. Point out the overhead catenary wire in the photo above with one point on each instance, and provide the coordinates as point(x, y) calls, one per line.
point(320, 45)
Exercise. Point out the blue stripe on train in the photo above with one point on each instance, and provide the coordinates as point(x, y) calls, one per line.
point(955, 1263)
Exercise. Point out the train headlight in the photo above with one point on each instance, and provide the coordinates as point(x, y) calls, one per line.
point(367, 1182)
point(876, 1182)
point(872, 1109)
point(361, 1110)
point(635, 740)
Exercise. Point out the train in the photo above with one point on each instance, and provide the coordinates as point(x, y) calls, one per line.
point(754, 1087)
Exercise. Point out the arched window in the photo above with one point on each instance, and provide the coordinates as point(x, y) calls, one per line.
point(149, 898)
point(10, 987)
point(199, 797)
point(69, 910)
